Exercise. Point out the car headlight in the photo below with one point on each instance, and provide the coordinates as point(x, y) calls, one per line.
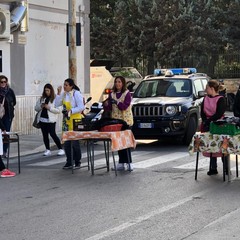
point(171, 110)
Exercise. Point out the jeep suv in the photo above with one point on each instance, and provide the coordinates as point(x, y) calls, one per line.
point(168, 104)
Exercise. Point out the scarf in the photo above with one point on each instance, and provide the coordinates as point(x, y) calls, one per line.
point(3, 92)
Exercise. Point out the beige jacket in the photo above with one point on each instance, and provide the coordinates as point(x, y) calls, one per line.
point(52, 112)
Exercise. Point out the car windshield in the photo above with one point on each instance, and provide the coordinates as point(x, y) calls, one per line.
point(125, 72)
point(164, 88)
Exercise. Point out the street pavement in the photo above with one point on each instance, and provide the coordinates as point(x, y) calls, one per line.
point(30, 144)
point(158, 196)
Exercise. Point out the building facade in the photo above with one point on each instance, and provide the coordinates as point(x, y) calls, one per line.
point(36, 53)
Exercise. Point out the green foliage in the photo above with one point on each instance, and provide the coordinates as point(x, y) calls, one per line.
point(158, 33)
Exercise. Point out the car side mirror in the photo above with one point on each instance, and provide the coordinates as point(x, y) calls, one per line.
point(201, 94)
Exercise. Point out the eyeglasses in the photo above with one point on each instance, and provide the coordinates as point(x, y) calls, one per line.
point(3, 82)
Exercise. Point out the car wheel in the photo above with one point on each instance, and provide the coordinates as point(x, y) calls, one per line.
point(191, 129)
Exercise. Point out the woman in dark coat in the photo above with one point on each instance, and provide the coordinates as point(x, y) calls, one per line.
point(9, 97)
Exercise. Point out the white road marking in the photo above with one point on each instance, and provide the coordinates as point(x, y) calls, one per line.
point(145, 217)
point(159, 160)
point(97, 162)
point(58, 160)
point(204, 164)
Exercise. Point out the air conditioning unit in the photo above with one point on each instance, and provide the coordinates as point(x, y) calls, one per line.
point(4, 24)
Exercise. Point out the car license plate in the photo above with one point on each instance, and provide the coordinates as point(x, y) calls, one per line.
point(145, 125)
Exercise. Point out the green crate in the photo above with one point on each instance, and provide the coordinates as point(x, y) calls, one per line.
point(227, 128)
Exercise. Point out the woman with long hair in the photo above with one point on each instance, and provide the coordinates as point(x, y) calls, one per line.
point(119, 104)
point(72, 101)
point(48, 118)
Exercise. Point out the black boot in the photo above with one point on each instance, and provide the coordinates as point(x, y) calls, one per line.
point(212, 172)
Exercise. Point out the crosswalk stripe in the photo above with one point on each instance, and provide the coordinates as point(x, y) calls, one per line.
point(159, 160)
point(202, 163)
point(58, 160)
point(84, 155)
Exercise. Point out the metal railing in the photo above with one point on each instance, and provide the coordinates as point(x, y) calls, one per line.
point(24, 116)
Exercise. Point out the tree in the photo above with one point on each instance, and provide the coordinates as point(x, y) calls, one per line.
point(102, 28)
point(174, 33)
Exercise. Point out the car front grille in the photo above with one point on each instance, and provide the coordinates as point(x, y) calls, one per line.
point(147, 111)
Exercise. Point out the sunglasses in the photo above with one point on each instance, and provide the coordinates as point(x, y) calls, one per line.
point(3, 82)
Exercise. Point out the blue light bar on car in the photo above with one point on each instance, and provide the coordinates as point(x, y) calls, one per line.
point(176, 71)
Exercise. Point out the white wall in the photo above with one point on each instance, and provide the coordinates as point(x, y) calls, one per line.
point(45, 52)
point(44, 56)
point(5, 48)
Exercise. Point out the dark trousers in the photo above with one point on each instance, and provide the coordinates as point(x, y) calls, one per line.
point(213, 162)
point(49, 129)
point(7, 122)
point(2, 165)
point(77, 155)
point(124, 155)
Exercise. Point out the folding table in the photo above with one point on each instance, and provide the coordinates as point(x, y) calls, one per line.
point(215, 145)
point(116, 140)
point(12, 137)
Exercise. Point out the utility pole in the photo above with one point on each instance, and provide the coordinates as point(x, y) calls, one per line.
point(72, 52)
point(84, 58)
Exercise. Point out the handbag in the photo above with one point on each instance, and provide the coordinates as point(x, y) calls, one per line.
point(36, 123)
point(2, 109)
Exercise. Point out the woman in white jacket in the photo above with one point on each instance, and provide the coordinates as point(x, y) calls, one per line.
point(47, 118)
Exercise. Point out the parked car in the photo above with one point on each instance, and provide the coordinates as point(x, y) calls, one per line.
point(168, 104)
point(131, 74)
point(102, 74)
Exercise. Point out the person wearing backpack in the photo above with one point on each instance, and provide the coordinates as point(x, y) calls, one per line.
point(119, 105)
point(73, 105)
point(7, 96)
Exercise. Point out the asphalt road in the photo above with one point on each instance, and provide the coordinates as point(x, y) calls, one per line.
point(158, 200)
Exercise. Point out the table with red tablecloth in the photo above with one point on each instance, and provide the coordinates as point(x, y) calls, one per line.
point(118, 140)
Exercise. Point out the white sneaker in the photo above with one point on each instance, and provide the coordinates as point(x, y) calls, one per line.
point(47, 153)
point(61, 152)
point(130, 167)
point(120, 167)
